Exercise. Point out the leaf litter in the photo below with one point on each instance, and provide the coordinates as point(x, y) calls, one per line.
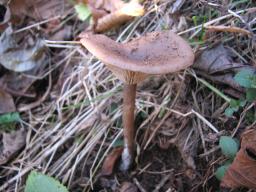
point(6, 103)
point(11, 143)
point(107, 14)
point(218, 65)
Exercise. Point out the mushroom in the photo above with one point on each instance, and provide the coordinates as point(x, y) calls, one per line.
point(153, 54)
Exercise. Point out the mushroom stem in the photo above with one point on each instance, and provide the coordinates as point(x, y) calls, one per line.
point(129, 94)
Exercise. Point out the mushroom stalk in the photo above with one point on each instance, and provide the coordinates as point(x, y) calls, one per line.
point(129, 94)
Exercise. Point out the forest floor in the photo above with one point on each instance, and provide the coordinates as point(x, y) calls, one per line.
point(69, 105)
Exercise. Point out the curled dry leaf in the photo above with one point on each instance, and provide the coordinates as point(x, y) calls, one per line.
point(218, 65)
point(110, 161)
point(11, 143)
point(110, 13)
point(5, 16)
point(242, 172)
point(18, 58)
point(6, 103)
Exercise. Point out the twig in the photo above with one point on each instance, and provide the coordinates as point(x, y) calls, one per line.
point(162, 182)
point(36, 24)
point(139, 185)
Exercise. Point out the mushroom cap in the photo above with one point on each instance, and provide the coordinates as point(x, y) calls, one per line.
point(154, 53)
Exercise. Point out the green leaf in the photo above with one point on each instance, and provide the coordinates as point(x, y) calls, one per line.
point(38, 182)
point(229, 111)
point(245, 78)
point(235, 104)
point(251, 94)
point(9, 118)
point(220, 172)
point(83, 11)
point(229, 146)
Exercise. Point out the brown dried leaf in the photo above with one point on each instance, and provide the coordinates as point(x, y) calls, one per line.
point(110, 161)
point(242, 172)
point(6, 103)
point(11, 143)
point(18, 84)
point(218, 65)
point(110, 13)
point(38, 9)
point(17, 57)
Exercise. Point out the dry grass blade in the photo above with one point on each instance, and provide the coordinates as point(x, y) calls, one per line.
point(230, 29)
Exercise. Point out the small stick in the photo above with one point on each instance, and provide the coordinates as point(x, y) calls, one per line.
point(161, 184)
point(139, 185)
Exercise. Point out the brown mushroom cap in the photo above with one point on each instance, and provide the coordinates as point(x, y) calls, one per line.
point(154, 53)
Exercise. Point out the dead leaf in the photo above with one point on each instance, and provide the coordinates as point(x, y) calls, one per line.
point(218, 65)
point(110, 161)
point(108, 183)
point(5, 15)
point(111, 13)
point(64, 33)
point(19, 58)
point(242, 172)
point(128, 187)
point(6, 103)
point(11, 144)
point(42, 10)
point(17, 84)
point(186, 143)
point(39, 9)
point(177, 131)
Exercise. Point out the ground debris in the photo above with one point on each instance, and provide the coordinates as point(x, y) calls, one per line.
point(11, 143)
point(178, 132)
point(5, 15)
point(6, 103)
point(231, 29)
point(39, 9)
point(128, 187)
point(17, 57)
point(108, 13)
point(218, 65)
point(110, 161)
point(242, 172)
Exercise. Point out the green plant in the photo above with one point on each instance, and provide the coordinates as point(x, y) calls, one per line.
point(247, 79)
point(229, 147)
point(83, 12)
point(38, 182)
point(8, 121)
